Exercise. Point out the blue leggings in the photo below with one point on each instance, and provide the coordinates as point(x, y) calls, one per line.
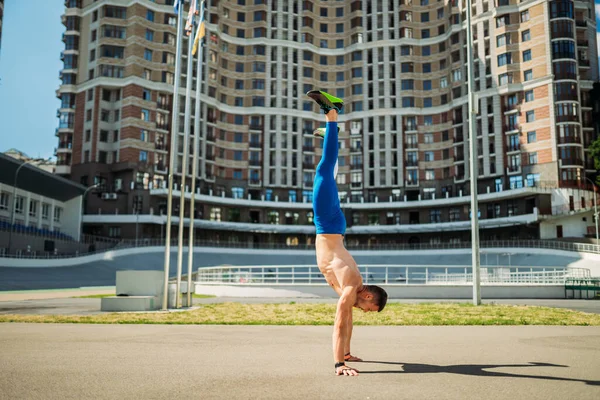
point(329, 217)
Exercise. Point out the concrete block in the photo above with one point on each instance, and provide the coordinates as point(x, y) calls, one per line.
point(130, 303)
point(140, 283)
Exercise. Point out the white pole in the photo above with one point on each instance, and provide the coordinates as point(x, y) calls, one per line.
point(195, 159)
point(184, 166)
point(174, 131)
point(473, 164)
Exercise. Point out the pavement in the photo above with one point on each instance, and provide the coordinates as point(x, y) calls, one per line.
point(66, 361)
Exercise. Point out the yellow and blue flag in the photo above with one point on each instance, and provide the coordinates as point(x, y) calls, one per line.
point(201, 32)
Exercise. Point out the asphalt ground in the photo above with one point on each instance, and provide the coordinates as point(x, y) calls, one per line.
point(66, 361)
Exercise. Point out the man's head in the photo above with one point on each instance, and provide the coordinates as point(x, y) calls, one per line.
point(371, 298)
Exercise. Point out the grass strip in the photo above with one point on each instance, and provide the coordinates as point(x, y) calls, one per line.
point(323, 314)
point(101, 296)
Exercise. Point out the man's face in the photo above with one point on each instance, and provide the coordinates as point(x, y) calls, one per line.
point(366, 305)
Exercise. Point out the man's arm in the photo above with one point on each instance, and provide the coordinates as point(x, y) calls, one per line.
point(341, 329)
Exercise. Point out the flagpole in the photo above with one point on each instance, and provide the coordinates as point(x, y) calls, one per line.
point(472, 117)
point(186, 134)
point(174, 130)
point(195, 157)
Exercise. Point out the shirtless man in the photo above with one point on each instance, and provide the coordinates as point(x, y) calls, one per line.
point(334, 261)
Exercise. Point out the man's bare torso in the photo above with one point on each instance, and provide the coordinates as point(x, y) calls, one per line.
point(336, 264)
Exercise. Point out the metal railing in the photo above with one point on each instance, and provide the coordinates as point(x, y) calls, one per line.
point(389, 275)
point(116, 244)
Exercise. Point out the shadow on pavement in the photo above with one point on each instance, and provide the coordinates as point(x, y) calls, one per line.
point(472, 370)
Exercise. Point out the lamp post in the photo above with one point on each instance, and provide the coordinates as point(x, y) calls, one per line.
point(83, 210)
point(14, 197)
point(595, 208)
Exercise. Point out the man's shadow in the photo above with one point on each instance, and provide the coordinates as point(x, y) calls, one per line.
point(472, 370)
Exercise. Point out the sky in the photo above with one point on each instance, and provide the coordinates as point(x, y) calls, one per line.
point(29, 68)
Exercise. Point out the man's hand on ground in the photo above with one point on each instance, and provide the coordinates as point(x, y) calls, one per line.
point(346, 370)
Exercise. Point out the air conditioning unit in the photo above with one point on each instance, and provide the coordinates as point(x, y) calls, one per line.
point(109, 196)
point(118, 185)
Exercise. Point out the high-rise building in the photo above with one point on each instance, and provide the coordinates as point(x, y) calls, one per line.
point(401, 68)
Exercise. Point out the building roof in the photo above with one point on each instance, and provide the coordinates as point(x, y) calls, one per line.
point(38, 181)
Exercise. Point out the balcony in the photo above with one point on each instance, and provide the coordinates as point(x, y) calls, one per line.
point(164, 105)
point(412, 145)
point(254, 182)
point(459, 158)
point(565, 162)
point(459, 138)
point(162, 126)
point(512, 169)
point(584, 63)
point(356, 185)
point(254, 163)
point(160, 146)
point(513, 147)
point(581, 24)
point(308, 148)
point(410, 127)
point(308, 165)
point(209, 138)
point(412, 163)
point(356, 149)
point(254, 145)
point(256, 127)
point(582, 43)
point(411, 182)
point(160, 167)
point(511, 128)
point(569, 139)
point(356, 165)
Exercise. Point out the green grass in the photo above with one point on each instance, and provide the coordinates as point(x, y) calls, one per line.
point(323, 314)
point(101, 296)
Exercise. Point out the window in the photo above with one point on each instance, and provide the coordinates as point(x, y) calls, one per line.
point(435, 216)
point(104, 136)
point(525, 36)
point(425, 17)
point(237, 192)
point(237, 174)
point(429, 175)
point(502, 40)
point(3, 201)
point(144, 135)
point(504, 59)
point(57, 214)
point(143, 156)
point(443, 82)
point(149, 35)
point(531, 137)
point(525, 16)
point(528, 75)
point(148, 55)
point(529, 96)
point(527, 55)
point(530, 116)
point(426, 67)
point(145, 115)
point(427, 85)
point(426, 51)
point(150, 15)
point(505, 79)
point(533, 158)
point(429, 156)
point(45, 211)
point(215, 214)
point(114, 231)
point(516, 182)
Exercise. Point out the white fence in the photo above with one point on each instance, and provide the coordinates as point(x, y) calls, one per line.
point(390, 275)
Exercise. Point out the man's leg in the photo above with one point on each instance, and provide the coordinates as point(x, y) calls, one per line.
point(325, 193)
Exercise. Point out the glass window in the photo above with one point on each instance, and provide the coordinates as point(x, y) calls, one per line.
point(527, 55)
point(528, 75)
point(526, 36)
point(529, 96)
point(531, 137)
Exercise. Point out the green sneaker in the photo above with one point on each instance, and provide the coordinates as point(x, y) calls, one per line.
point(326, 101)
point(320, 132)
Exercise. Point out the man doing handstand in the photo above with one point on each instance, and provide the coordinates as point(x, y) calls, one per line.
point(334, 261)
